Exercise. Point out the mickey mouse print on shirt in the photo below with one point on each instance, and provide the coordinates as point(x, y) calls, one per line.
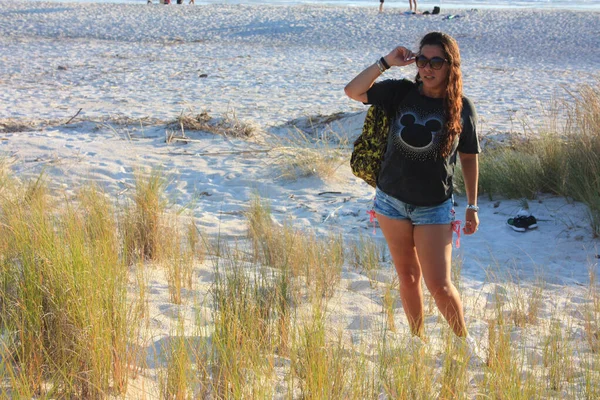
point(417, 136)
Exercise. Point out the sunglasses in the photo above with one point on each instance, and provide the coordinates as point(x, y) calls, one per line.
point(434, 62)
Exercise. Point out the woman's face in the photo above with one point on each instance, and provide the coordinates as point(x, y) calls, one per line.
point(433, 79)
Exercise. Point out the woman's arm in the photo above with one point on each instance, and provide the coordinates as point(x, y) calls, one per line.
point(358, 87)
point(470, 169)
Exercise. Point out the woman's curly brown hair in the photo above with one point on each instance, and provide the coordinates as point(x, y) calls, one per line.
point(453, 99)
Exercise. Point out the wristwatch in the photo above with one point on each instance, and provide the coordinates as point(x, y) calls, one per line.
point(472, 207)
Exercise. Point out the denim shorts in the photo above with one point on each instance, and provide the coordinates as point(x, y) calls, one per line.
point(393, 208)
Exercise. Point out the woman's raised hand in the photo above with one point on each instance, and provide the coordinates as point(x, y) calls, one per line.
point(400, 57)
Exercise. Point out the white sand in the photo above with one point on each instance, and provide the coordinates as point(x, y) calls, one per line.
point(269, 65)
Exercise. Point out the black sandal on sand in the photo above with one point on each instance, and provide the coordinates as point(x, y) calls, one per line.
point(522, 223)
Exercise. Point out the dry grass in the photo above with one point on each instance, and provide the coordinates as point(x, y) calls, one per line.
point(14, 125)
point(299, 155)
point(229, 125)
point(11, 125)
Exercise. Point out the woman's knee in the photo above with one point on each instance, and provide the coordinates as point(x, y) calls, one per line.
point(440, 287)
point(409, 278)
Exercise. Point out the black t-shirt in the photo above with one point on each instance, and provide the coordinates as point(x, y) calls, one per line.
point(412, 170)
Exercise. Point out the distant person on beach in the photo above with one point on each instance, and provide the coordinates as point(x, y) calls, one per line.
point(413, 5)
point(431, 122)
point(381, 5)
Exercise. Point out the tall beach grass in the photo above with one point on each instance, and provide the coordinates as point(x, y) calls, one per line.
point(63, 314)
point(562, 161)
point(69, 330)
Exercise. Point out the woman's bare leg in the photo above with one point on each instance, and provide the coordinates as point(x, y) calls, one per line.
point(413, 5)
point(434, 249)
point(399, 237)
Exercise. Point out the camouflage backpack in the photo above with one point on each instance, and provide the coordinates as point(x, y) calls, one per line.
point(370, 146)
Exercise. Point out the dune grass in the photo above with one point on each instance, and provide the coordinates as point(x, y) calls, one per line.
point(69, 330)
point(564, 161)
point(366, 257)
point(300, 155)
point(63, 295)
point(318, 261)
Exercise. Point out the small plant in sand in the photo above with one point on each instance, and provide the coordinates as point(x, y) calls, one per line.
point(557, 354)
point(590, 354)
point(318, 366)
point(195, 247)
point(247, 307)
point(403, 362)
point(362, 381)
point(390, 296)
point(366, 256)
point(324, 260)
point(526, 304)
point(270, 241)
point(177, 377)
point(178, 254)
point(142, 222)
point(453, 378)
point(177, 264)
point(504, 377)
point(592, 313)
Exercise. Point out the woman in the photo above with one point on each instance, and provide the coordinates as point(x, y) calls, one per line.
point(430, 122)
point(413, 5)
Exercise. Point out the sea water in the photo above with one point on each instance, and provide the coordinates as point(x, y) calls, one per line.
point(591, 5)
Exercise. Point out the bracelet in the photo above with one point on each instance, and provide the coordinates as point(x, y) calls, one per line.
point(384, 63)
point(472, 207)
point(380, 66)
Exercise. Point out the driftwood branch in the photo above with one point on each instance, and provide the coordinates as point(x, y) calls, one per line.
point(322, 193)
point(73, 117)
point(184, 139)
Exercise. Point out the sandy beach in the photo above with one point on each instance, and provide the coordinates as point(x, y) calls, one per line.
point(271, 64)
point(130, 70)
